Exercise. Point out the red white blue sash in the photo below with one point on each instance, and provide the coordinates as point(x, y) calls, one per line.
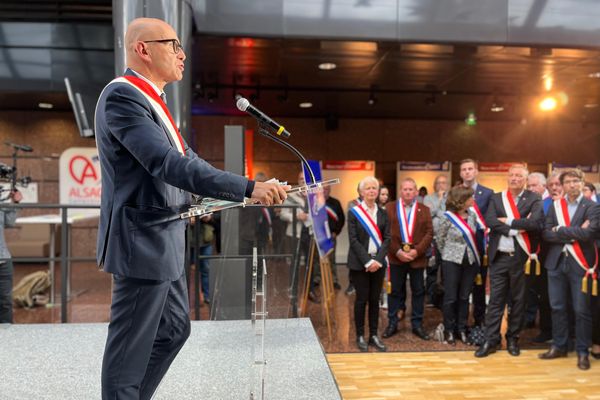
point(406, 222)
point(512, 212)
point(157, 105)
point(479, 218)
point(331, 213)
point(367, 222)
point(266, 215)
point(466, 231)
point(562, 215)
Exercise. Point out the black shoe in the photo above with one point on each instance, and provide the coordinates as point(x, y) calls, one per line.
point(595, 355)
point(583, 361)
point(464, 337)
point(512, 346)
point(336, 286)
point(485, 350)
point(552, 354)
point(389, 331)
point(420, 333)
point(543, 337)
point(350, 290)
point(449, 337)
point(362, 344)
point(375, 341)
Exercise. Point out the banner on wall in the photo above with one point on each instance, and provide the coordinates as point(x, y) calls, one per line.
point(349, 165)
point(79, 179)
point(318, 212)
point(494, 174)
point(496, 167)
point(587, 168)
point(424, 166)
point(423, 172)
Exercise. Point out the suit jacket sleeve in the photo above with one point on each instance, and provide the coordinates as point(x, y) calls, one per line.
point(132, 124)
point(532, 222)
point(342, 218)
point(425, 241)
point(355, 245)
point(491, 219)
point(385, 244)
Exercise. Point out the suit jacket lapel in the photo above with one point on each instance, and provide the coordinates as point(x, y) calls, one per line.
point(577, 219)
point(129, 72)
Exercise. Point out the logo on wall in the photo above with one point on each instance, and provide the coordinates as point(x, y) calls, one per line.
point(79, 178)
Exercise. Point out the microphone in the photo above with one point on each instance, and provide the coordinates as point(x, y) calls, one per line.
point(19, 146)
point(244, 105)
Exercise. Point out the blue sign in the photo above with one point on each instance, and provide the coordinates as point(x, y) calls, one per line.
point(593, 168)
point(318, 212)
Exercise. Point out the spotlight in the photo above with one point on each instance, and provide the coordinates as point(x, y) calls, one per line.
point(46, 106)
point(548, 103)
point(497, 106)
point(305, 104)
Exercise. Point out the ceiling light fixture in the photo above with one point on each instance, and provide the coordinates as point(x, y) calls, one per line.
point(46, 106)
point(590, 105)
point(305, 104)
point(497, 106)
point(327, 66)
point(595, 75)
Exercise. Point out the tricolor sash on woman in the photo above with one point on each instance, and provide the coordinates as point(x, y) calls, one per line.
point(367, 222)
point(574, 249)
point(157, 105)
point(483, 227)
point(466, 231)
point(406, 222)
point(510, 207)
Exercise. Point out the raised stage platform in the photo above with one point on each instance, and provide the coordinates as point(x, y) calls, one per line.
point(63, 362)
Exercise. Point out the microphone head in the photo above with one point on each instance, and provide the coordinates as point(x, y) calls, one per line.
point(242, 104)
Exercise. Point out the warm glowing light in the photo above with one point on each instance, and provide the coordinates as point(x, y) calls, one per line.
point(305, 105)
point(548, 104)
point(327, 66)
point(548, 82)
point(46, 106)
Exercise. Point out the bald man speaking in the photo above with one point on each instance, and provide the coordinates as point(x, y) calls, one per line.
point(148, 171)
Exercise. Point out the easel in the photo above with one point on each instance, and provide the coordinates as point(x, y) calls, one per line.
point(327, 290)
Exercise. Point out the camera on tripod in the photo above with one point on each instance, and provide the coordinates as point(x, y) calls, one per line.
point(8, 173)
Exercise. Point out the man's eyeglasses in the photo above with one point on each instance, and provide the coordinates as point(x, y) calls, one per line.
point(177, 47)
point(571, 181)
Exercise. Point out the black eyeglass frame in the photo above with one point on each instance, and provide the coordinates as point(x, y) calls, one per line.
point(177, 47)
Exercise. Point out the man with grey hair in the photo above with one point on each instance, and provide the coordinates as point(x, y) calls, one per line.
point(512, 216)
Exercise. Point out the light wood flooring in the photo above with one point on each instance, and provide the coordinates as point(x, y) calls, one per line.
point(459, 375)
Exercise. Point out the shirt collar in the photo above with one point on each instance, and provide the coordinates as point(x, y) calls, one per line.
point(576, 202)
point(149, 82)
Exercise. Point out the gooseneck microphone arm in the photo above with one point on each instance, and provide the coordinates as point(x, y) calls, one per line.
point(262, 129)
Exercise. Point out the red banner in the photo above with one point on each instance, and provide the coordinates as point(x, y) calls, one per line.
point(496, 167)
point(349, 165)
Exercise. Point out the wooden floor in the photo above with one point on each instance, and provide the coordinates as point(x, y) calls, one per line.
point(459, 375)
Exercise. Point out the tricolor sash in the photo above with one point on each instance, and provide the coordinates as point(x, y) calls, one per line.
point(466, 231)
point(332, 214)
point(157, 105)
point(407, 223)
point(367, 222)
point(483, 227)
point(513, 213)
point(562, 215)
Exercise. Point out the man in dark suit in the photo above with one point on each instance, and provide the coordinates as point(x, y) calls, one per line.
point(336, 220)
point(511, 216)
point(147, 170)
point(469, 169)
point(570, 257)
point(411, 232)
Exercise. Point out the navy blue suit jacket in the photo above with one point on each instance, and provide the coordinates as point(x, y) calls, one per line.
point(555, 241)
point(145, 179)
point(482, 198)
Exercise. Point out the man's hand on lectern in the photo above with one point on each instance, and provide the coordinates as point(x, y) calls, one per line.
point(269, 193)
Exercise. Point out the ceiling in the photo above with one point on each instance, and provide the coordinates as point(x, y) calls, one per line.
point(429, 81)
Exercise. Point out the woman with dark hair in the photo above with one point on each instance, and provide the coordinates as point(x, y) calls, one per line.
point(369, 236)
point(589, 191)
point(460, 259)
point(384, 196)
